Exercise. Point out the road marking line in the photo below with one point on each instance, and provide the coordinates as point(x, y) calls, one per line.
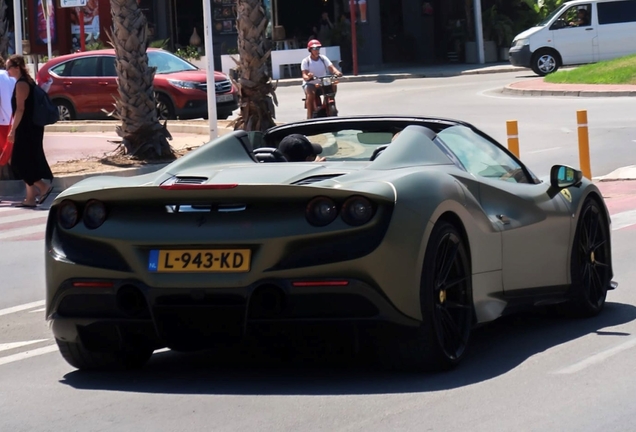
point(21, 308)
point(623, 219)
point(14, 345)
point(22, 217)
point(22, 231)
point(597, 358)
point(28, 354)
point(38, 310)
point(544, 150)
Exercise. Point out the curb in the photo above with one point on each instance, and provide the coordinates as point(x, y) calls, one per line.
point(388, 77)
point(574, 93)
point(174, 126)
point(16, 187)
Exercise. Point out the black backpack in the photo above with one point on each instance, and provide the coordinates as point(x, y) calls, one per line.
point(44, 111)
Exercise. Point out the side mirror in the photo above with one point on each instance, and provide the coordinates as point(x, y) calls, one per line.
point(562, 176)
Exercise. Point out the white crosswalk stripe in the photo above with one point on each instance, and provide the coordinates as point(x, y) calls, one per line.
point(22, 223)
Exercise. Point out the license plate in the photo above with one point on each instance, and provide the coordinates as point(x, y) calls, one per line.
point(198, 260)
point(224, 98)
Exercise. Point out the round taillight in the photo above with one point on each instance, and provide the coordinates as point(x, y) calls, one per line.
point(94, 214)
point(357, 210)
point(321, 211)
point(67, 214)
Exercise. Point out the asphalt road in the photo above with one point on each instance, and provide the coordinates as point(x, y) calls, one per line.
point(529, 373)
point(525, 373)
point(547, 125)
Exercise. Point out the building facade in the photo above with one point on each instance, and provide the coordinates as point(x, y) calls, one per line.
point(389, 32)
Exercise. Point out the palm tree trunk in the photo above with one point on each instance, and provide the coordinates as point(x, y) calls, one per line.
point(256, 91)
point(143, 135)
point(4, 30)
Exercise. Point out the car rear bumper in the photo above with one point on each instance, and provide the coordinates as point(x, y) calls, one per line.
point(199, 318)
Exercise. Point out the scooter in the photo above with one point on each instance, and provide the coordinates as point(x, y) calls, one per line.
point(325, 97)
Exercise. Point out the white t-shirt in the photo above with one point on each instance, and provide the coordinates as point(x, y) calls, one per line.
point(7, 85)
point(318, 67)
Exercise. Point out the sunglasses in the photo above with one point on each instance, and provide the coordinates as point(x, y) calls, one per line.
point(10, 66)
point(316, 49)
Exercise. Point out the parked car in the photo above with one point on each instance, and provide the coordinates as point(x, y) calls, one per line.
point(83, 86)
point(578, 32)
point(415, 238)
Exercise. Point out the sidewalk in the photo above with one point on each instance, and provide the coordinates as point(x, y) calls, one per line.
point(538, 87)
point(409, 72)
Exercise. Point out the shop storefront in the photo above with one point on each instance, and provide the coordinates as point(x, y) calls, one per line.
point(389, 32)
point(65, 24)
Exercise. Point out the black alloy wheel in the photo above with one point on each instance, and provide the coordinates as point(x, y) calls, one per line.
point(446, 301)
point(590, 264)
point(450, 288)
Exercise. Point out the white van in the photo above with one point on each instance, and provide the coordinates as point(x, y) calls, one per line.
point(576, 33)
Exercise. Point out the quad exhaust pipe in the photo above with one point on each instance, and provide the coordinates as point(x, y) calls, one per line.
point(131, 301)
point(267, 301)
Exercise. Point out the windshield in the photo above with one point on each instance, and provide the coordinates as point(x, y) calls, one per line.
point(166, 62)
point(552, 15)
point(350, 144)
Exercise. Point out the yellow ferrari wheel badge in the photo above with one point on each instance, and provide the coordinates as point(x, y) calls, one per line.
point(442, 296)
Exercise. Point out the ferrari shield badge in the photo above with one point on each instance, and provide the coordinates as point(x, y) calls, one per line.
point(566, 193)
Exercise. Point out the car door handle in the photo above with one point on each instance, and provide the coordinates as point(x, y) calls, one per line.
point(102, 83)
point(589, 28)
point(504, 219)
point(68, 82)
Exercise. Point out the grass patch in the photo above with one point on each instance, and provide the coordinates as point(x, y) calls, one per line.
point(618, 71)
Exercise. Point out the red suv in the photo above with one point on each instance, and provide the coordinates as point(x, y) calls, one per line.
point(83, 86)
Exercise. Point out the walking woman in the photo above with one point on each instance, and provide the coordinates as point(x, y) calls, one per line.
point(28, 161)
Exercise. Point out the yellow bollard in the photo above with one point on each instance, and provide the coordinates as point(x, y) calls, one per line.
point(513, 136)
point(584, 144)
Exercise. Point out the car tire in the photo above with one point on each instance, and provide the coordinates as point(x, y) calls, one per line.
point(165, 108)
point(65, 109)
point(78, 356)
point(440, 341)
point(589, 263)
point(331, 110)
point(544, 62)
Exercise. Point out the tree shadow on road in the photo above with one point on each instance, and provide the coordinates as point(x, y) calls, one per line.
point(495, 349)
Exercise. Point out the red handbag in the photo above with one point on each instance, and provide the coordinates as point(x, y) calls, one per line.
point(6, 148)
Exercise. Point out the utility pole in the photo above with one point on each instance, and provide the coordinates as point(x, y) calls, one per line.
point(209, 56)
point(479, 32)
point(17, 25)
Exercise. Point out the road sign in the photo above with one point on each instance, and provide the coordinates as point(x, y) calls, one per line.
point(72, 3)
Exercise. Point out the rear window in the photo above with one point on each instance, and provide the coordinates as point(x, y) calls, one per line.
point(617, 12)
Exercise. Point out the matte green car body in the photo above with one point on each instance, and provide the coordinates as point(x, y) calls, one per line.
point(518, 237)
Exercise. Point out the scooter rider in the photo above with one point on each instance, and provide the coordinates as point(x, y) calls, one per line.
point(315, 65)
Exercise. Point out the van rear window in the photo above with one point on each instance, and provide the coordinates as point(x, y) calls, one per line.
point(616, 12)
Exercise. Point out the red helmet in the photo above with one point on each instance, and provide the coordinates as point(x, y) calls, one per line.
point(314, 43)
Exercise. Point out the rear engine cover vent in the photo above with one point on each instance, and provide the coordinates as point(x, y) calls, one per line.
point(315, 179)
point(191, 180)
